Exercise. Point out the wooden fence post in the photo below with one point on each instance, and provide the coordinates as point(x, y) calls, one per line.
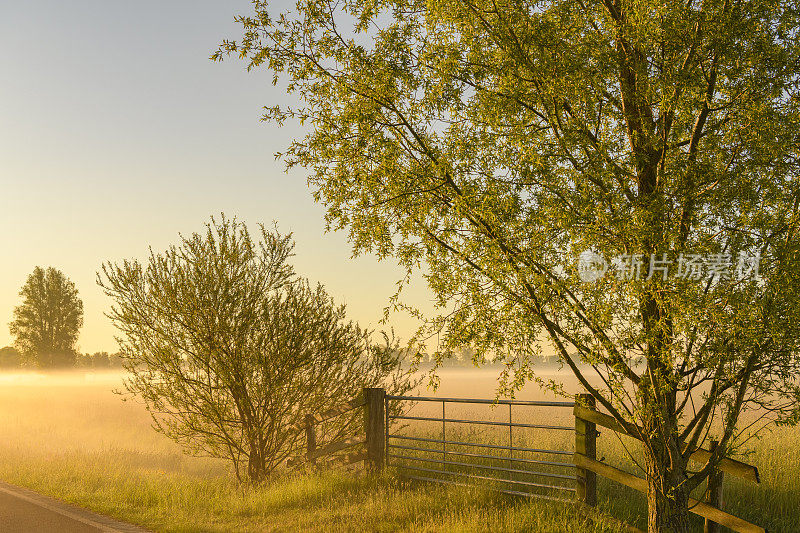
point(586, 444)
point(375, 426)
point(714, 493)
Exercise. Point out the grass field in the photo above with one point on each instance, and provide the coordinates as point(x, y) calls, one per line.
point(70, 437)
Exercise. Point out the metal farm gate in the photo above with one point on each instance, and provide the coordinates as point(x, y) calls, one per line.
point(502, 466)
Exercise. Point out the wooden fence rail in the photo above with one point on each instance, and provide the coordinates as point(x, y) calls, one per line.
point(587, 418)
point(700, 455)
point(372, 400)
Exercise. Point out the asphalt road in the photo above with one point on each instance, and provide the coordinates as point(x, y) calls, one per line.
point(24, 511)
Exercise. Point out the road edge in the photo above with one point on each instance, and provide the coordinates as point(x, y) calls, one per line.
point(104, 523)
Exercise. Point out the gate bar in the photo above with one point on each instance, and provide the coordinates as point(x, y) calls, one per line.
point(493, 446)
point(482, 456)
point(487, 467)
point(490, 478)
point(481, 422)
point(480, 400)
point(502, 491)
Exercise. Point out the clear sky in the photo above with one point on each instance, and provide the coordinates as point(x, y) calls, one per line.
point(117, 133)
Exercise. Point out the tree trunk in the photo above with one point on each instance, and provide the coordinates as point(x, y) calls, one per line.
point(667, 497)
point(256, 465)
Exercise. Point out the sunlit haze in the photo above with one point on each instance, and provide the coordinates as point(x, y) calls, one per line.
point(119, 133)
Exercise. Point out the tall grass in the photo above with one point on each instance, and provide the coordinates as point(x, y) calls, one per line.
point(71, 438)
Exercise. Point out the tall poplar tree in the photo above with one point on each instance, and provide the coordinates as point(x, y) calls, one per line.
point(47, 323)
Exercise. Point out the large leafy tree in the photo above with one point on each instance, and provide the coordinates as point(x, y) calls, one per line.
point(47, 323)
point(494, 141)
point(230, 350)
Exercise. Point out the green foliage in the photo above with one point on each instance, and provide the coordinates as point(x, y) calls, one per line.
point(493, 142)
point(230, 350)
point(47, 323)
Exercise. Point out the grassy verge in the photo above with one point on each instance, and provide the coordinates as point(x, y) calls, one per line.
point(332, 501)
point(74, 440)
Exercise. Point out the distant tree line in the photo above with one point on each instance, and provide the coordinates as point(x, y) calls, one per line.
point(11, 358)
point(99, 360)
point(467, 357)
